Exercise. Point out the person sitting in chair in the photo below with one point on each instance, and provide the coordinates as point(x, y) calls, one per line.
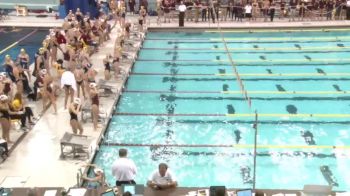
point(162, 178)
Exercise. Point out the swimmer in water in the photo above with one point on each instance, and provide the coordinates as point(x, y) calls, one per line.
point(309, 137)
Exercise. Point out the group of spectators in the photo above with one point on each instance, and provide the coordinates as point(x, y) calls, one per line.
point(224, 10)
point(62, 63)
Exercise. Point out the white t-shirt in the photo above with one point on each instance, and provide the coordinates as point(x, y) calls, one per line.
point(124, 169)
point(248, 9)
point(158, 179)
point(182, 8)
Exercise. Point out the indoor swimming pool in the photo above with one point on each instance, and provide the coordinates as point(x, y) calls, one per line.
point(183, 104)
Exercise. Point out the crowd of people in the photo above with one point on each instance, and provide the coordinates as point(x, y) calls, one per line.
point(254, 9)
point(62, 65)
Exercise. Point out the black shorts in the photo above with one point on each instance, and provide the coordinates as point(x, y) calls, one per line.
point(140, 22)
point(67, 86)
point(248, 15)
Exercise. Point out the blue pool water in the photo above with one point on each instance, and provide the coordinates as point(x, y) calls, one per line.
point(183, 105)
point(31, 43)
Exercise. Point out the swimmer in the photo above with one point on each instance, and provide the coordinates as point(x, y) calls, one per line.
point(69, 84)
point(106, 62)
point(5, 118)
point(49, 91)
point(98, 180)
point(23, 60)
point(94, 104)
point(74, 110)
point(79, 77)
point(309, 137)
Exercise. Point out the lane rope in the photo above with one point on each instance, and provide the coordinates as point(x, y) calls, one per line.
point(240, 146)
point(250, 92)
point(241, 115)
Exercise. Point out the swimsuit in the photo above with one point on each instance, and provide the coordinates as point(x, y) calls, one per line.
point(80, 82)
point(94, 100)
point(7, 88)
point(107, 67)
point(23, 62)
point(73, 116)
point(5, 114)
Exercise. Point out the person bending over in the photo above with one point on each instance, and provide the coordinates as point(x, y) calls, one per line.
point(162, 178)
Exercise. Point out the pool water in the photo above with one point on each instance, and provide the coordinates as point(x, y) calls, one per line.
point(183, 105)
point(28, 38)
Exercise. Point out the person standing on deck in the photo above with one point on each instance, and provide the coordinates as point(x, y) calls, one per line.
point(123, 169)
point(272, 11)
point(182, 9)
point(348, 10)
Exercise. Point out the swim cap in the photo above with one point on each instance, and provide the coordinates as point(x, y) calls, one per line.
point(43, 71)
point(16, 104)
point(41, 50)
point(3, 74)
point(96, 170)
point(92, 85)
point(77, 100)
point(3, 97)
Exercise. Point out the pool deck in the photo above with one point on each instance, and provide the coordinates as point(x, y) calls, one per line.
point(36, 159)
point(31, 21)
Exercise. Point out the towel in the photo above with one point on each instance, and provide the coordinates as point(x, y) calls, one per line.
point(68, 79)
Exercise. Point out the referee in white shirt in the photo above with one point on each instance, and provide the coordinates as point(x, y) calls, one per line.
point(123, 169)
point(182, 9)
